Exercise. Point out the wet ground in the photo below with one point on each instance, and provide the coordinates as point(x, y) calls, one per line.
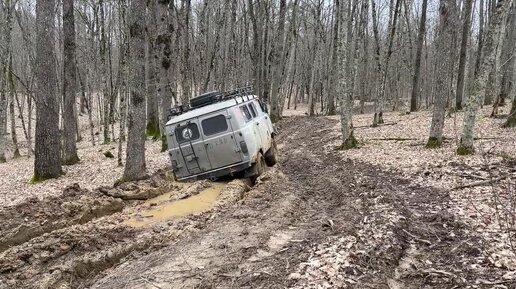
point(316, 220)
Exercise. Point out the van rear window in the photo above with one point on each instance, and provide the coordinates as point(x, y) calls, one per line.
point(188, 132)
point(214, 125)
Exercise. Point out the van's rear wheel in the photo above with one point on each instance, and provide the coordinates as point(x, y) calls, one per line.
point(270, 155)
point(260, 168)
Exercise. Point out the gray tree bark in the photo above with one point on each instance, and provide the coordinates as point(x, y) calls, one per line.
point(344, 90)
point(163, 45)
point(466, 27)
point(5, 56)
point(419, 51)
point(153, 129)
point(69, 85)
point(507, 62)
point(135, 154)
point(479, 84)
point(47, 161)
point(277, 63)
point(443, 72)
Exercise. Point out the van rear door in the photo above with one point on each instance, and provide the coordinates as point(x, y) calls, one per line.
point(219, 139)
point(191, 146)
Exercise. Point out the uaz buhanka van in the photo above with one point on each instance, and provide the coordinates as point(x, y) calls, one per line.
point(219, 134)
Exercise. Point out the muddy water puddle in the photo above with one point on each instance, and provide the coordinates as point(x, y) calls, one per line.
point(164, 207)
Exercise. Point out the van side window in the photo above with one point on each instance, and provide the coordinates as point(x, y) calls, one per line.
point(252, 109)
point(214, 125)
point(263, 105)
point(246, 113)
point(188, 132)
point(257, 107)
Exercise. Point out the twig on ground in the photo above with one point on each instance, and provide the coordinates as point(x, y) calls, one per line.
point(417, 239)
point(484, 182)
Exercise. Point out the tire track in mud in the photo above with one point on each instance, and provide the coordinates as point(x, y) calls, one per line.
point(257, 242)
point(402, 233)
point(73, 237)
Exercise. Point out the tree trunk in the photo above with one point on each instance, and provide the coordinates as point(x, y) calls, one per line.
point(163, 45)
point(47, 161)
point(69, 86)
point(277, 63)
point(507, 61)
point(153, 129)
point(185, 81)
point(466, 27)
point(344, 90)
point(419, 51)
point(135, 154)
point(443, 72)
point(12, 92)
point(479, 84)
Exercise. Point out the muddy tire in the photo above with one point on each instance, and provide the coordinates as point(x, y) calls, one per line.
point(260, 168)
point(270, 155)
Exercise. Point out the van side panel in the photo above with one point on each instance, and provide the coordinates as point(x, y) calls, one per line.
point(219, 140)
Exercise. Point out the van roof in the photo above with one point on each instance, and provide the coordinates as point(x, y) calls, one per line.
point(210, 108)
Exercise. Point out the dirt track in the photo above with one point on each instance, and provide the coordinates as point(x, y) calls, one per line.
point(314, 220)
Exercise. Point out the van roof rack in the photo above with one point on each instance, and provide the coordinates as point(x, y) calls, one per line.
point(211, 98)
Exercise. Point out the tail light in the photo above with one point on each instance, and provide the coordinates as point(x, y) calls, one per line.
point(243, 147)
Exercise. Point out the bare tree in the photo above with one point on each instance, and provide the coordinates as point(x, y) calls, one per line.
point(135, 155)
point(164, 46)
point(479, 84)
point(419, 51)
point(69, 86)
point(507, 61)
point(47, 161)
point(344, 89)
point(277, 63)
point(466, 27)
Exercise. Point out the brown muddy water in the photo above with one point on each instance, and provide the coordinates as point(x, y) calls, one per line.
point(164, 207)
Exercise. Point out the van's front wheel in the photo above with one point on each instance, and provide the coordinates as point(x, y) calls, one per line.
point(270, 155)
point(259, 168)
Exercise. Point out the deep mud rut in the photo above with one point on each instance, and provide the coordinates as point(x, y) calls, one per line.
point(315, 220)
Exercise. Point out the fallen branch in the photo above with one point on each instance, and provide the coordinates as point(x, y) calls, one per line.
point(439, 272)
point(418, 239)
point(370, 126)
point(484, 182)
point(393, 139)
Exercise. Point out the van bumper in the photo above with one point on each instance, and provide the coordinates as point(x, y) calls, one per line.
point(220, 172)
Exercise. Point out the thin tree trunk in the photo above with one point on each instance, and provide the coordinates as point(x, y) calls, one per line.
point(479, 84)
point(69, 86)
point(345, 91)
point(443, 72)
point(164, 49)
point(466, 27)
point(153, 129)
point(277, 63)
point(419, 51)
point(507, 62)
point(12, 92)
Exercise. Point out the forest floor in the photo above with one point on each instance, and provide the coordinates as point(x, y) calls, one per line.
point(390, 214)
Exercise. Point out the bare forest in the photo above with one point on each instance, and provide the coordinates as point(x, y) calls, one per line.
point(390, 160)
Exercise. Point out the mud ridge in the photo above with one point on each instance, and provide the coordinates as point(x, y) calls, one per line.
point(69, 257)
point(75, 205)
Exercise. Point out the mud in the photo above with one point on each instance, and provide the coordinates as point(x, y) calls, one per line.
point(316, 220)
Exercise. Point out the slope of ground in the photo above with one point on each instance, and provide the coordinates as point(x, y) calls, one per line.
point(390, 214)
point(325, 220)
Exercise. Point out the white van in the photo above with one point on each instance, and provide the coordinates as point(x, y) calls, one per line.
point(220, 134)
